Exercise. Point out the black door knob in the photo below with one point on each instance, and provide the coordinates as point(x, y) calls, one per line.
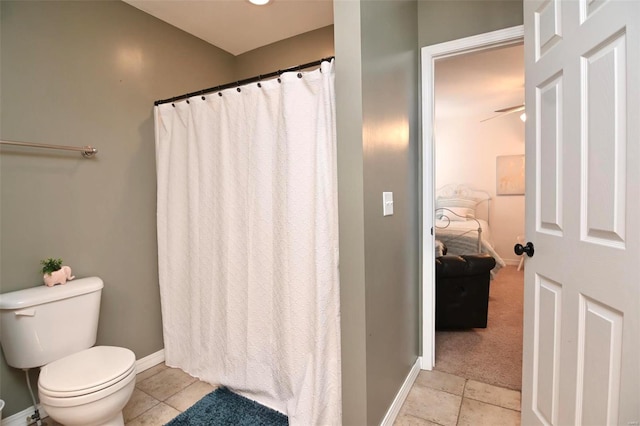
point(527, 248)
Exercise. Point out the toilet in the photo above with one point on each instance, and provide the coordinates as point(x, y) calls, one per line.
point(55, 328)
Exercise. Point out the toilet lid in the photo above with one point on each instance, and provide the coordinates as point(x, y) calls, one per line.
point(86, 371)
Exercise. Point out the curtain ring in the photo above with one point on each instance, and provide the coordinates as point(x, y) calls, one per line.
point(279, 74)
point(299, 73)
point(188, 101)
point(203, 98)
point(220, 94)
point(173, 105)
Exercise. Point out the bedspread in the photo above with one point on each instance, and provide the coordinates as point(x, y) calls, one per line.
point(467, 243)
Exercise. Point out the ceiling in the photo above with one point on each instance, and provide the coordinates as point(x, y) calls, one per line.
point(238, 26)
point(478, 83)
point(473, 84)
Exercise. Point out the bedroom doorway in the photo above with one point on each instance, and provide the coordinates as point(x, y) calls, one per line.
point(464, 143)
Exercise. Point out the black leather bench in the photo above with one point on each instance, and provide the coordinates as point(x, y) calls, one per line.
point(462, 290)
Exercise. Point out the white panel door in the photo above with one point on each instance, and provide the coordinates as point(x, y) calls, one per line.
point(581, 361)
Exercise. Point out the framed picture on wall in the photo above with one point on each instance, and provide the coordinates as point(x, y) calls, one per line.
point(510, 175)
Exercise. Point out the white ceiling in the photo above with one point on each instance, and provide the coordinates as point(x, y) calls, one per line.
point(478, 83)
point(474, 84)
point(238, 26)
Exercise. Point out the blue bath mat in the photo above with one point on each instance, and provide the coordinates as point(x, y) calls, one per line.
point(223, 407)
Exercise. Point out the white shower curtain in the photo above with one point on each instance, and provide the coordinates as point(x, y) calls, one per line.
point(248, 242)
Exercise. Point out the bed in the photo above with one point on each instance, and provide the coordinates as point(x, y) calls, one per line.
point(462, 222)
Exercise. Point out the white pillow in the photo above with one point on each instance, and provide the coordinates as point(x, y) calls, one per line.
point(457, 214)
point(460, 206)
point(456, 202)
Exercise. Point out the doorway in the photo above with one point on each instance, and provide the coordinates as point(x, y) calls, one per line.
point(474, 145)
point(469, 47)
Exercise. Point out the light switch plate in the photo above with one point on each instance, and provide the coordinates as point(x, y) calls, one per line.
point(387, 203)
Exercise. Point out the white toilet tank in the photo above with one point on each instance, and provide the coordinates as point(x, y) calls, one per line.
point(42, 324)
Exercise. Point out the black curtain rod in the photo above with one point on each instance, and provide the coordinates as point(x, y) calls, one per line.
point(242, 82)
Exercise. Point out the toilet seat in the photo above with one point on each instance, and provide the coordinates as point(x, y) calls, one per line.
point(126, 384)
point(86, 372)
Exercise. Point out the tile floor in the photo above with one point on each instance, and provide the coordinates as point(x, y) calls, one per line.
point(162, 393)
point(436, 398)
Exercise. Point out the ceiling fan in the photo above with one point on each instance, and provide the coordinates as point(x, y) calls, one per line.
point(505, 111)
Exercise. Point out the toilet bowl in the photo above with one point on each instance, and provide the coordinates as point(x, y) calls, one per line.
point(88, 388)
point(55, 329)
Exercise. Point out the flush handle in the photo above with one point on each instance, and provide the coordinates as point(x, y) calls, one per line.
point(26, 313)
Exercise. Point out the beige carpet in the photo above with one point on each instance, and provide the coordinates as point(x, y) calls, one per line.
point(492, 355)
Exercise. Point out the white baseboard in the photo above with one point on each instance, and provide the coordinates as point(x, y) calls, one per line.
point(393, 411)
point(512, 262)
point(20, 418)
point(149, 361)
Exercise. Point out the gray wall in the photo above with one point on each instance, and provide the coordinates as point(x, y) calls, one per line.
point(377, 113)
point(391, 137)
point(78, 73)
point(81, 73)
point(377, 109)
point(302, 49)
point(88, 72)
point(445, 20)
point(351, 210)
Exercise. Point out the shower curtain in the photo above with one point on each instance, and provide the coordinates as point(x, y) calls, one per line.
point(248, 242)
